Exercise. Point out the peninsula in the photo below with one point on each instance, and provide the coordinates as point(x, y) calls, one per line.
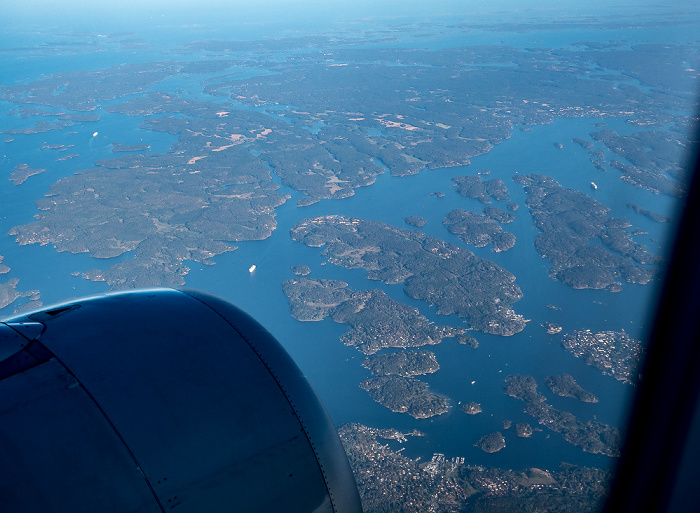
point(614, 353)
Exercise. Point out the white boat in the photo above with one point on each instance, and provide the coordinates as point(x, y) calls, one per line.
point(252, 268)
point(594, 186)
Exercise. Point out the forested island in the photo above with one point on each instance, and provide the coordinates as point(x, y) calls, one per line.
point(376, 320)
point(452, 278)
point(405, 395)
point(473, 186)
point(471, 408)
point(416, 221)
point(479, 230)
point(493, 442)
point(569, 221)
point(22, 172)
point(593, 437)
point(403, 363)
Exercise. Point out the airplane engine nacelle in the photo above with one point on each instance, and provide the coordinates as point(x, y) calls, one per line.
point(159, 400)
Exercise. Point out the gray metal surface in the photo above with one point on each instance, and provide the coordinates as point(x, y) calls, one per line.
point(210, 411)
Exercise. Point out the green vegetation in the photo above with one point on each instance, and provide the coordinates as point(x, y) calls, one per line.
point(593, 437)
point(22, 172)
point(117, 147)
point(301, 270)
point(656, 158)
point(479, 230)
point(471, 408)
point(657, 218)
point(439, 273)
point(376, 320)
point(565, 385)
point(405, 395)
point(473, 187)
point(568, 220)
point(493, 442)
point(9, 293)
point(467, 340)
point(403, 363)
point(416, 221)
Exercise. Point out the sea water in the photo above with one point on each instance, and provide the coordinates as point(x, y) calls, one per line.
point(333, 369)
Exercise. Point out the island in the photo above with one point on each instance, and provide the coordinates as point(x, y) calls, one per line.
point(439, 273)
point(523, 430)
point(564, 385)
point(593, 437)
point(474, 187)
point(471, 408)
point(405, 395)
point(479, 230)
point(588, 249)
point(551, 328)
point(614, 353)
point(467, 340)
point(324, 129)
point(301, 270)
point(404, 363)
point(22, 172)
point(118, 147)
point(493, 442)
point(376, 321)
point(416, 221)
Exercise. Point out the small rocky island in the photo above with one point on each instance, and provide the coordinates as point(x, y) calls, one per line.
point(301, 270)
point(416, 221)
point(471, 408)
point(551, 328)
point(482, 190)
point(523, 430)
point(493, 442)
point(467, 340)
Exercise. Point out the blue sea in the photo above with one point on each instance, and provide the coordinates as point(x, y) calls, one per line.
point(334, 370)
